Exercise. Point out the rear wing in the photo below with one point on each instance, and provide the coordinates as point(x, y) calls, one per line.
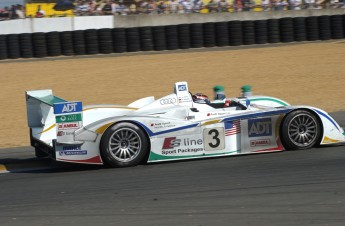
point(46, 111)
point(39, 106)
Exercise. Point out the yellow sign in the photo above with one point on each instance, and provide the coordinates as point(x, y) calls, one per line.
point(46, 9)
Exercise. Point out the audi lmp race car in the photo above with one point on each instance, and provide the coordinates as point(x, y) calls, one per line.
point(173, 127)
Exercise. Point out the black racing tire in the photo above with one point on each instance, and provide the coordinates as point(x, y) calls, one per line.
point(123, 145)
point(300, 130)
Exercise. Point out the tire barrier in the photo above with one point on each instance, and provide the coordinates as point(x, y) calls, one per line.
point(222, 34)
point(159, 38)
point(286, 29)
point(105, 41)
point(25, 41)
point(196, 35)
point(78, 42)
point(133, 39)
point(119, 37)
point(235, 33)
point(91, 41)
point(171, 37)
point(39, 45)
point(261, 32)
point(337, 24)
point(248, 32)
point(324, 27)
point(299, 26)
point(209, 35)
point(146, 39)
point(273, 31)
point(66, 43)
point(3, 47)
point(53, 43)
point(184, 36)
point(13, 46)
point(312, 28)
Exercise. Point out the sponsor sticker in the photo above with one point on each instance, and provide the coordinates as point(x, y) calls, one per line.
point(68, 126)
point(172, 146)
point(261, 142)
point(68, 118)
point(183, 99)
point(165, 101)
point(67, 107)
point(62, 133)
point(182, 88)
point(71, 148)
point(82, 152)
point(162, 125)
point(260, 127)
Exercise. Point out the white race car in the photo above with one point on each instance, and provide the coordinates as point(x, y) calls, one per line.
point(173, 127)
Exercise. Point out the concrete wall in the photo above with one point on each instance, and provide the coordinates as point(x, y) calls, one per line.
point(93, 22)
point(52, 24)
point(96, 22)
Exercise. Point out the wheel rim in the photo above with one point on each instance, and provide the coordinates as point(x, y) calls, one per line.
point(125, 144)
point(303, 130)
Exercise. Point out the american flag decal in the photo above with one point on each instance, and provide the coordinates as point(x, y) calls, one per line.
point(232, 127)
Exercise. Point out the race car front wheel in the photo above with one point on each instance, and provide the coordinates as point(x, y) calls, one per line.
point(300, 130)
point(124, 144)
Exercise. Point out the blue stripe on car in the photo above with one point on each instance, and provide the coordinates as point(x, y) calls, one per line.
point(283, 111)
point(329, 119)
point(166, 131)
point(150, 133)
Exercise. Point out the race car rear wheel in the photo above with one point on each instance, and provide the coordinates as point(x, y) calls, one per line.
point(300, 130)
point(124, 144)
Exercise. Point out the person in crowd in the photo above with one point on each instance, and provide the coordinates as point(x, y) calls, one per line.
point(187, 6)
point(132, 8)
point(223, 6)
point(107, 8)
point(266, 5)
point(93, 7)
point(120, 8)
point(20, 11)
point(4, 14)
point(13, 13)
point(197, 6)
point(294, 4)
point(173, 6)
point(151, 7)
point(82, 8)
point(237, 5)
point(161, 7)
point(212, 6)
point(279, 4)
point(40, 13)
point(248, 5)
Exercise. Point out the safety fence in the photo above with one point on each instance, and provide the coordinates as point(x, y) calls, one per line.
point(171, 37)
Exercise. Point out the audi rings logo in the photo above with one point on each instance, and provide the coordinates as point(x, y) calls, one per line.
point(167, 101)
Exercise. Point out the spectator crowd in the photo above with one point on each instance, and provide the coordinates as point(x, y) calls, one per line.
point(132, 7)
point(118, 7)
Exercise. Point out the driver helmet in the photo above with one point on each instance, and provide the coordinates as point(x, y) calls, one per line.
point(200, 98)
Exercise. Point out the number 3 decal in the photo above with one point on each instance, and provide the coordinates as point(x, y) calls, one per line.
point(214, 139)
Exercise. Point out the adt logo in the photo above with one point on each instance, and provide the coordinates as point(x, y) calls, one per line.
point(182, 88)
point(259, 127)
point(69, 107)
point(171, 142)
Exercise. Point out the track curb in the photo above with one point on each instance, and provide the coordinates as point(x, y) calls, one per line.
point(25, 165)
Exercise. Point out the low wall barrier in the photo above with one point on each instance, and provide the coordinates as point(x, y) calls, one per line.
point(171, 37)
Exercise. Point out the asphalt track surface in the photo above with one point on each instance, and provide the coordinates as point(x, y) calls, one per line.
point(286, 188)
